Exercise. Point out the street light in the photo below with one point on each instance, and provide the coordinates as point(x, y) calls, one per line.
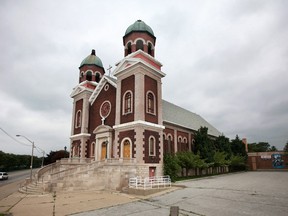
point(31, 166)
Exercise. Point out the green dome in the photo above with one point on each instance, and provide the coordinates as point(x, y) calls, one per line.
point(92, 59)
point(141, 26)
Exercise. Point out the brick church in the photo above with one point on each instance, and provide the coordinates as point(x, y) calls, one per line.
point(122, 117)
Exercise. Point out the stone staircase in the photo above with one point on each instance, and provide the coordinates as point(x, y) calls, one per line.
point(66, 176)
point(34, 188)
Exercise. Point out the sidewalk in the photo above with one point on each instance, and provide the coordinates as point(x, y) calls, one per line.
point(66, 203)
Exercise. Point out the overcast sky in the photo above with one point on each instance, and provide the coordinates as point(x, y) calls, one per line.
point(225, 60)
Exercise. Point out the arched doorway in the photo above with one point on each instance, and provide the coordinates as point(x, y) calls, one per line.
point(103, 150)
point(126, 149)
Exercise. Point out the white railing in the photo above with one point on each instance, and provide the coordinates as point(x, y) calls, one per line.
point(150, 182)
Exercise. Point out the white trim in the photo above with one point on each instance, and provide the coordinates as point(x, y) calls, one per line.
point(147, 103)
point(130, 41)
point(99, 88)
point(154, 146)
point(109, 109)
point(78, 121)
point(155, 70)
point(130, 58)
point(139, 38)
point(80, 135)
point(139, 122)
point(169, 135)
point(122, 147)
point(148, 41)
point(123, 102)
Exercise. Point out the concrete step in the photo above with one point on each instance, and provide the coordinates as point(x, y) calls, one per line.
point(33, 188)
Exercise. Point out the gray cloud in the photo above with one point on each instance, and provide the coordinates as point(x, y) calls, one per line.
point(224, 60)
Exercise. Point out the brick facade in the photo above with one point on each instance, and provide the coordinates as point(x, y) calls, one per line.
point(148, 158)
point(127, 84)
point(267, 160)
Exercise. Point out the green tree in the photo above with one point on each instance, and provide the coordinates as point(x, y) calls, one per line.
point(171, 166)
point(273, 148)
point(220, 159)
point(53, 156)
point(259, 147)
point(237, 163)
point(9, 162)
point(204, 145)
point(238, 147)
point(222, 144)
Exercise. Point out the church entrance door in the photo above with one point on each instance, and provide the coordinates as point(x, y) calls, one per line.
point(126, 149)
point(103, 151)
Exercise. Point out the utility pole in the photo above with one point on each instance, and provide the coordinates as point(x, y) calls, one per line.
point(31, 165)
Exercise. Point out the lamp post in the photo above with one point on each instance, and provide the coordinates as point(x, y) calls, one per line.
point(31, 166)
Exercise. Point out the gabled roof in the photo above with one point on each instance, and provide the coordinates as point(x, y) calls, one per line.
point(138, 57)
point(85, 85)
point(100, 85)
point(181, 117)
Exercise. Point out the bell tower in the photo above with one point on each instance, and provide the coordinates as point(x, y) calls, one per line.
point(90, 73)
point(139, 36)
point(139, 100)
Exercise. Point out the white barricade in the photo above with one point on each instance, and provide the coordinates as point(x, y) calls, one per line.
point(150, 182)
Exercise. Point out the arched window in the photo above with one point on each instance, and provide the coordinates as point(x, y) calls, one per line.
point(97, 77)
point(89, 76)
point(169, 137)
point(152, 146)
point(129, 48)
point(127, 105)
point(126, 149)
point(149, 48)
point(78, 119)
point(150, 103)
point(139, 45)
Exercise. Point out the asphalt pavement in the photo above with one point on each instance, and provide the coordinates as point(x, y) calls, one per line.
point(247, 193)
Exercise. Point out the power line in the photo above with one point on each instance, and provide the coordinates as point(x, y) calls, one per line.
point(14, 138)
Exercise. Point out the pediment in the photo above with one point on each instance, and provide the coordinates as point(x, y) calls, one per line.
point(77, 90)
point(100, 86)
point(137, 58)
point(102, 129)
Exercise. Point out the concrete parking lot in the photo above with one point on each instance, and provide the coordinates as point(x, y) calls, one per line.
point(247, 193)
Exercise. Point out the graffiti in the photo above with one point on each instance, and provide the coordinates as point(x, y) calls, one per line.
point(277, 161)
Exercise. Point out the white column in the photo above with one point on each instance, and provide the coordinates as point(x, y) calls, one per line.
point(175, 141)
point(118, 103)
point(85, 115)
point(139, 103)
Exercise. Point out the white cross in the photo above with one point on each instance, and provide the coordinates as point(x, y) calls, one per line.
point(109, 69)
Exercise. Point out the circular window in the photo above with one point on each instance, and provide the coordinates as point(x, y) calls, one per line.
point(105, 109)
point(106, 87)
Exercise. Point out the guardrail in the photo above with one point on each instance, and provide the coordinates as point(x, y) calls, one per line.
point(150, 182)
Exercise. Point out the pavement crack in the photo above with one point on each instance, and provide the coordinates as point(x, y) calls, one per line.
point(16, 203)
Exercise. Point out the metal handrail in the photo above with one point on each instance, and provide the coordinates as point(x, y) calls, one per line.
point(150, 182)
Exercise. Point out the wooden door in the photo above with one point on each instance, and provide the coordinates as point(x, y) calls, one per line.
point(103, 151)
point(126, 149)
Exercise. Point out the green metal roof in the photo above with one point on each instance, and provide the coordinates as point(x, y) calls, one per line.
point(139, 25)
point(92, 59)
